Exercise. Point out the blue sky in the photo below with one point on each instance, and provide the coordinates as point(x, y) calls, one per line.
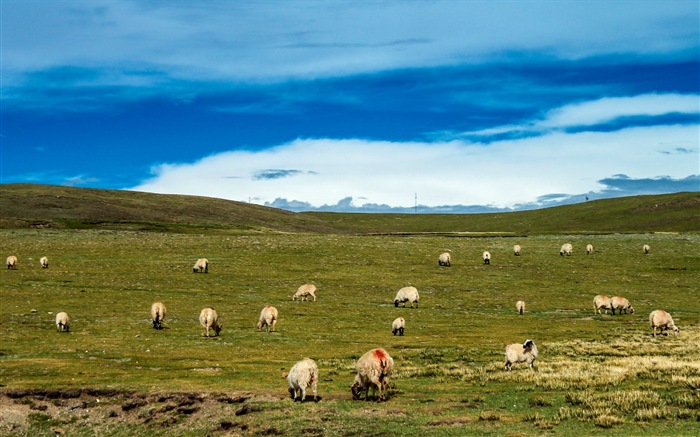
point(466, 106)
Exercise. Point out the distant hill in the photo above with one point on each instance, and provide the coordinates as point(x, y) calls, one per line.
point(45, 206)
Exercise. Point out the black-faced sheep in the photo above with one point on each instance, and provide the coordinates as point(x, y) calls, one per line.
point(268, 318)
point(445, 259)
point(621, 304)
point(589, 249)
point(302, 376)
point(304, 292)
point(646, 249)
point(398, 326)
point(201, 266)
point(157, 315)
point(520, 306)
point(11, 262)
point(373, 371)
point(521, 353)
point(210, 320)
point(44, 261)
point(487, 257)
point(516, 250)
point(662, 320)
point(407, 294)
point(601, 301)
point(566, 249)
point(62, 322)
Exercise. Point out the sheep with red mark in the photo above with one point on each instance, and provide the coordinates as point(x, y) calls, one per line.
point(11, 262)
point(521, 353)
point(407, 294)
point(268, 318)
point(398, 326)
point(302, 376)
point(62, 322)
point(209, 319)
point(304, 292)
point(663, 321)
point(600, 302)
point(621, 304)
point(373, 371)
point(157, 315)
point(201, 266)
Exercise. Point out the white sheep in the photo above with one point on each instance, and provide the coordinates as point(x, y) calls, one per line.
point(621, 304)
point(521, 353)
point(12, 262)
point(445, 259)
point(589, 249)
point(566, 249)
point(62, 322)
point(601, 301)
point(398, 325)
point(487, 257)
point(646, 249)
point(157, 314)
point(520, 306)
point(268, 318)
point(373, 371)
point(202, 265)
point(303, 375)
point(210, 320)
point(304, 292)
point(44, 261)
point(662, 320)
point(516, 250)
point(407, 294)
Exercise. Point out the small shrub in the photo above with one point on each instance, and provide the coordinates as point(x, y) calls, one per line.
point(608, 421)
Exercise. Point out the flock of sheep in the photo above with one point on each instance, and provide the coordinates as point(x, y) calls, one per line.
point(375, 367)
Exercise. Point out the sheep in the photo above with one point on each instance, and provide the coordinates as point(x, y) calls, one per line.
point(601, 301)
point(662, 320)
point(566, 249)
point(407, 294)
point(487, 257)
point(589, 249)
point(520, 306)
point(268, 318)
point(445, 259)
point(516, 250)
point(304, 292)
point(12, 262)
point(62, 322)
point(210, 320)
point(621, 304)
point(304, 374)
point(373, 371)
point(646, 249)
point(521, 353)
point(44, 261)
point(157, 315)
point(398, 325)
point(202, 265)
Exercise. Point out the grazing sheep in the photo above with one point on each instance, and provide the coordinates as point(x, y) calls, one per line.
point(373, 371)
point(445, 259)
point(566, 249)
point(157, 315)
point(601, 301)
point(62, 322)
point(303, 375)
point(589, 249)
point(268, 318)
point(621, 304)
point(407, 294)
point(44, 261)
point(662, 320)
point(516, 250)
point(520, 306)
point(398, 325)
point(646, 249)
point(12, 262)
point(210, 320)
point(304, 292)
point(521, 353)
point(487, 257)
point(202, 265)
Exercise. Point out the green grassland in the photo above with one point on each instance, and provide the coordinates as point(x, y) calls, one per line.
point(113, 374)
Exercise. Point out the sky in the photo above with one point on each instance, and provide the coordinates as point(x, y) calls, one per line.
point(354, 106)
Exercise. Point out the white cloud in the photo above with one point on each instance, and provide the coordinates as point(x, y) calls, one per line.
point(501, 174)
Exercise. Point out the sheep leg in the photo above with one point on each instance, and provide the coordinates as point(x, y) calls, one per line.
point(303, 394)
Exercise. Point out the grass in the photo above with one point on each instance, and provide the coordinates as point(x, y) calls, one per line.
point(115, 375)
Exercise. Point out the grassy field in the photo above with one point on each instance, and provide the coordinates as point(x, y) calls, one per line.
point(112, 374)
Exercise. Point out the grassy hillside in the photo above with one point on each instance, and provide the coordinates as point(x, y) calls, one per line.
point(41, 206)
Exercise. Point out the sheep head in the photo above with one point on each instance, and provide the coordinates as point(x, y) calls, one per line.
point(356, 391)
